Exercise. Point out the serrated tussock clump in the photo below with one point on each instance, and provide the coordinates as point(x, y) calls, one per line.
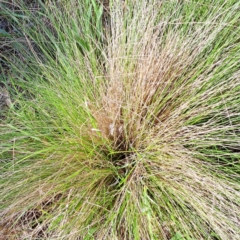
point(124, 121)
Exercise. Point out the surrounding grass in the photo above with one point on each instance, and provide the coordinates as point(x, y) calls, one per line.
point(125, 121)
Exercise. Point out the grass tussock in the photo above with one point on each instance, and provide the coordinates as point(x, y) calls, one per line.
point(124, 121)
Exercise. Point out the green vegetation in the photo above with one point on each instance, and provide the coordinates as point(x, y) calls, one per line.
point(125, 120)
